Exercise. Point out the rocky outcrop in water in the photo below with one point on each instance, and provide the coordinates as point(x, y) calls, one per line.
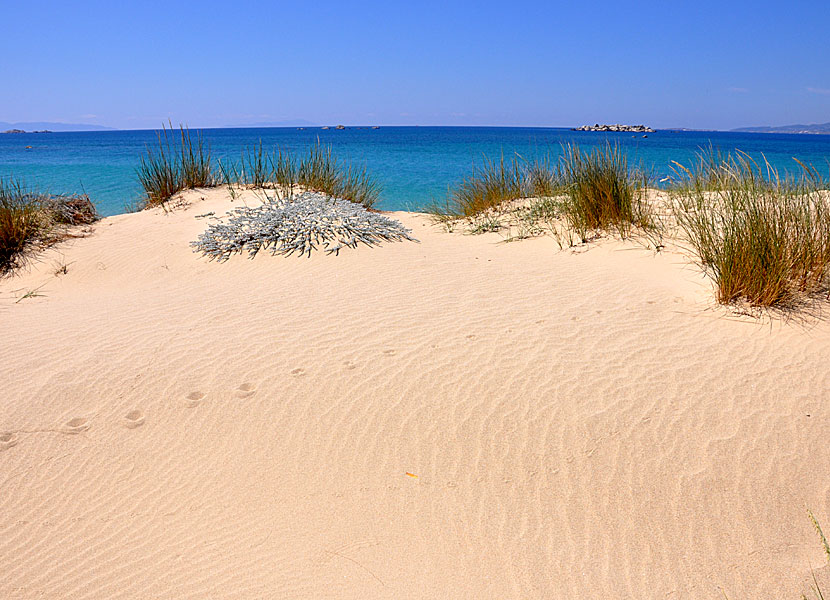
point(22, 131)
point(615, 128)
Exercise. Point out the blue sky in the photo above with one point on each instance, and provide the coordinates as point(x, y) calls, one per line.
point(694, 64)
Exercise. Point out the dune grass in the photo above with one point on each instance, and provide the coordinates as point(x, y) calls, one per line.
point(183, 161)
point(28, 217)
point(586, 192)
point(21, 221)
point(764, 238)
point(602, 192)
point(257, 169)
point(488, 188)
point(542, 180)
point(318, 170)
point(174, 166)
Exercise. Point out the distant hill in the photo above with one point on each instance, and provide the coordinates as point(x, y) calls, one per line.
point(819, 128)
point(41, 125)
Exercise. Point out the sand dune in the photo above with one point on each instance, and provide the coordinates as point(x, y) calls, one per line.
point(457, 418)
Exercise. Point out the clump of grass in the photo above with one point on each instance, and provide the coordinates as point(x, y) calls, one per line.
point(71, 209)
point(542, 180)
point(356, 185)
point(230, 177)
point(762, 237)
point(317, 171)
point(284, 169)
point(172, 167)
point(28, 217)
point(487, 189)
point(584, 192)
point(22, 220)
point(256, 167)
point(602, 192)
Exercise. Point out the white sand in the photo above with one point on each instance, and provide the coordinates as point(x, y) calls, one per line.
point(581, 424)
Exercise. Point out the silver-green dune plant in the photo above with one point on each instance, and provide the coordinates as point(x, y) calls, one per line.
point(763, 237)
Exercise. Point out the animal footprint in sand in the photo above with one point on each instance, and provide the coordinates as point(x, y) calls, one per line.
point(194, 399)
point(76, 425)
point(298, 372)
point(245, 390)
point(7, 440)
point(133, 419)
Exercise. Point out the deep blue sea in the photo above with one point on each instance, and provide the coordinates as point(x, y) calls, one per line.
point(413, 164)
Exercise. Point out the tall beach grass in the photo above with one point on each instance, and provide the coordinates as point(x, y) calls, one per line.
point(183, 161)
point(602, 192)
point(763, 237)
point(587, 191)
point(21, 222)
point(487, 188)
point(29, 217)
point(171, 166)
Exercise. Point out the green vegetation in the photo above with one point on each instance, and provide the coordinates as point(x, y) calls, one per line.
point(585, 191)
point(603, 193)
point(21, 222)
point(487, 189)
point(28, 217)
point(762, 237)
point(171, 168)
point(177, 165)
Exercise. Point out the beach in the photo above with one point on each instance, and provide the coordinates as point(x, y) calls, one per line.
point(454, 418)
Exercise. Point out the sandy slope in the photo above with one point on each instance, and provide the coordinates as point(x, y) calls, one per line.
point(582, 424)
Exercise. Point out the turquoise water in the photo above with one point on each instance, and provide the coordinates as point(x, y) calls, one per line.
point(413, 164)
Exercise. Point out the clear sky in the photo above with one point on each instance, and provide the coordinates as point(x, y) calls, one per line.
point(135, 64)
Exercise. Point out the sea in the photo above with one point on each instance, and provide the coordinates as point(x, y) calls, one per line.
point(415, 166)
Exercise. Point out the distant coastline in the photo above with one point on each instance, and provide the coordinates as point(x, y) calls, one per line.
point(814, 129)
point(43, 126)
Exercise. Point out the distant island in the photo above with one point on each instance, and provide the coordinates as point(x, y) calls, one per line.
point(50, 126)
point(22, 131)
point(616, 127)
point(818, 129)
